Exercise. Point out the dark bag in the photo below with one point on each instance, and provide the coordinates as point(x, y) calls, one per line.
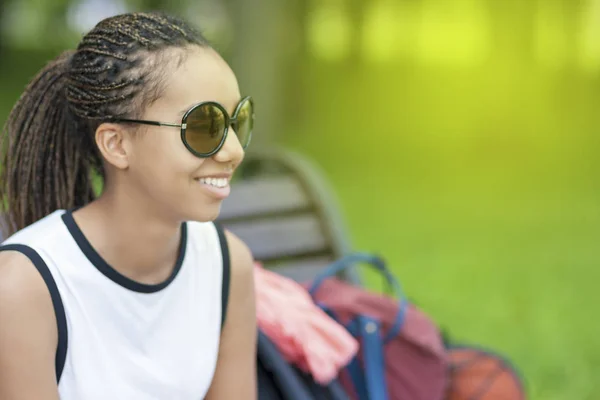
point(402, 355)
point(278, 380)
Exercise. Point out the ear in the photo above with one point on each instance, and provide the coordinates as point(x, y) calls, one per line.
point(114, 144)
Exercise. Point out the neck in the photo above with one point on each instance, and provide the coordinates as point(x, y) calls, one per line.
point(136, 241)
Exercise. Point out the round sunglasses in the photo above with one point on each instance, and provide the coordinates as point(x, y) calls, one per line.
point(204, 126)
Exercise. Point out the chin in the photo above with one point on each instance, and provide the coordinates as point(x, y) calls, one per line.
point(204, 213)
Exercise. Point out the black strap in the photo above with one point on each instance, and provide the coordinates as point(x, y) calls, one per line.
point(59, 310)
point(226, 272)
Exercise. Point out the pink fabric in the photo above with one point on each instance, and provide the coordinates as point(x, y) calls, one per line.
point(305, 335)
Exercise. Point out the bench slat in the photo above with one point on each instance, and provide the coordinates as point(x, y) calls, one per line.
point(281, 237)
point(303, 270)
point(258, 196)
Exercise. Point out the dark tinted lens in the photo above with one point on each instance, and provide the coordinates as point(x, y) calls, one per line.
point(245, 122)
point(205, 127)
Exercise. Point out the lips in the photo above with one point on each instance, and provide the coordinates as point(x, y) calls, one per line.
point(214, 181)
point(216, 186)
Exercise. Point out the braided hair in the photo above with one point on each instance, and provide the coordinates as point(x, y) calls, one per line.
point(50, 153)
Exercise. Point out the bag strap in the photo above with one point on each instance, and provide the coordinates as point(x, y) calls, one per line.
point(379, 264)
point(348, 261)
point(368, 380)
point(373, 359)
point(357, 376)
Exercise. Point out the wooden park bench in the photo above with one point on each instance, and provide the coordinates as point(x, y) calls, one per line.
point(281, 207)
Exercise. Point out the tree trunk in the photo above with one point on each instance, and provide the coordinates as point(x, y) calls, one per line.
point(2, 39)
point(296, 84)
point(356, 11)
point(256, 58)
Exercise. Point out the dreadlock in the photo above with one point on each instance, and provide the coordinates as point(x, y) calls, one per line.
point(48, 140)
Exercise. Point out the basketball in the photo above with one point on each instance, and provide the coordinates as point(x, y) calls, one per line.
point(480, 375)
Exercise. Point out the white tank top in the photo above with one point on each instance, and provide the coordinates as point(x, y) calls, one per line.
point(120, 339)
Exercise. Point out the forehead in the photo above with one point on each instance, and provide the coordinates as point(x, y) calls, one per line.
point(201, 76)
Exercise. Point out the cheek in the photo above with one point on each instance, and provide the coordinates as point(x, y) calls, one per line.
point(163, 155)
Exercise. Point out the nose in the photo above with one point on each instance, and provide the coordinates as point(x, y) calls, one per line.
point(232, 150)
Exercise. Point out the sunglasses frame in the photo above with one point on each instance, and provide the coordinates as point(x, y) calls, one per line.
point(229, 120)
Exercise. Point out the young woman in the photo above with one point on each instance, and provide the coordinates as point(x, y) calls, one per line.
point(135, 294)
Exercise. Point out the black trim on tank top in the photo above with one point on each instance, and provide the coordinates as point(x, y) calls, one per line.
point(226, 272)
point(112, 274)
point(59, 309)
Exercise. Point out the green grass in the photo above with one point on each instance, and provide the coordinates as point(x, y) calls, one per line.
point(483, 195)
point(516, 272)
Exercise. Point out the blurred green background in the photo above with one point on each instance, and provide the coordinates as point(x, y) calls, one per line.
point(461, 138)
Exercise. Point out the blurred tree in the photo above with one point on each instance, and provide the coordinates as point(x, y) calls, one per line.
point(585, 32)
point(256, 49)
point(356, 11)
point(257, 54)
point(36, 25)
point(512, 29)
point(294, 87)
point(2, 16)
point(175, 6)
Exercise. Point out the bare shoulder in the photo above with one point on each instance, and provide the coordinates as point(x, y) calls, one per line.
point(21, 285)
point(24, 296)
point(242, 262)
point(29, 333)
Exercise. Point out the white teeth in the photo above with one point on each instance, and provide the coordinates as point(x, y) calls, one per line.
point(217, 182)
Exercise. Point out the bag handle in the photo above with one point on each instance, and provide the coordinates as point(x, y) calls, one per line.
point(375, 262)
point(348, 261)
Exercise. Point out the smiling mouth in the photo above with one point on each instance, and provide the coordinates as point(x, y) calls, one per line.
point(214, 182)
